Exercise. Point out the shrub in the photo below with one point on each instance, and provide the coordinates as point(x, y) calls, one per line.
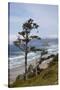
point(30, 68)
point(20, 77)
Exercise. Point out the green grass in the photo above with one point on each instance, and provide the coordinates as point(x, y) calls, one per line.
point(48, 76)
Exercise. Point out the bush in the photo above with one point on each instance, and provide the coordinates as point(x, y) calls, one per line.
point(30, 68)
point(31, 74)
point(54, 61)
point(20, 77)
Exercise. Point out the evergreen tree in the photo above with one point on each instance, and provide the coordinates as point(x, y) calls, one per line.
point(23, 43)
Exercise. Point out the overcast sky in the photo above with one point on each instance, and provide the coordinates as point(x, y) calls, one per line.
point(46, 16)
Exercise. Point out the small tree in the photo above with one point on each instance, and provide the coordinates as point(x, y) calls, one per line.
point(23, 43)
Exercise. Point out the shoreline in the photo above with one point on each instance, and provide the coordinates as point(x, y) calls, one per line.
point(14, 72)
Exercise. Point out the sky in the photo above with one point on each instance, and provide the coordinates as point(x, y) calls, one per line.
point(46, 16)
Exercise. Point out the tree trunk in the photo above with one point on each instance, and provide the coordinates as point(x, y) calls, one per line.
point(25, 65)
point(26, 57)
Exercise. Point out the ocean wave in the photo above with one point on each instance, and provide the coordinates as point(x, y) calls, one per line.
point(16, 61)
point(22, 56)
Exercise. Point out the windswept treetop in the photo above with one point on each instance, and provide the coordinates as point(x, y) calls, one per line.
point(27, 27)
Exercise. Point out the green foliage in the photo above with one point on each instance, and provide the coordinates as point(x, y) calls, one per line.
point(44, 52)
point(31, 75)
point(22, 33)
point(30, 68)
point(55, 60)
point(29, 25)
point(30, 71)
point(32, 48)
point(37, 37)
point(16, 43)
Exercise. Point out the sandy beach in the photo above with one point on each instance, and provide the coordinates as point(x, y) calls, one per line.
point(14, 72)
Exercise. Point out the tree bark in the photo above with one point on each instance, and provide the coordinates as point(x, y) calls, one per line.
point(25, 65)
point(26, 57)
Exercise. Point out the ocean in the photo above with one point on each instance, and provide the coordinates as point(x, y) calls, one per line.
point(16, 57)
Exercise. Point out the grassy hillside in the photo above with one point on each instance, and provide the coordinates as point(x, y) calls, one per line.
point(48, 76)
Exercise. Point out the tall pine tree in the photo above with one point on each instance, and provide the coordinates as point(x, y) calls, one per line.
point(25, 33)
